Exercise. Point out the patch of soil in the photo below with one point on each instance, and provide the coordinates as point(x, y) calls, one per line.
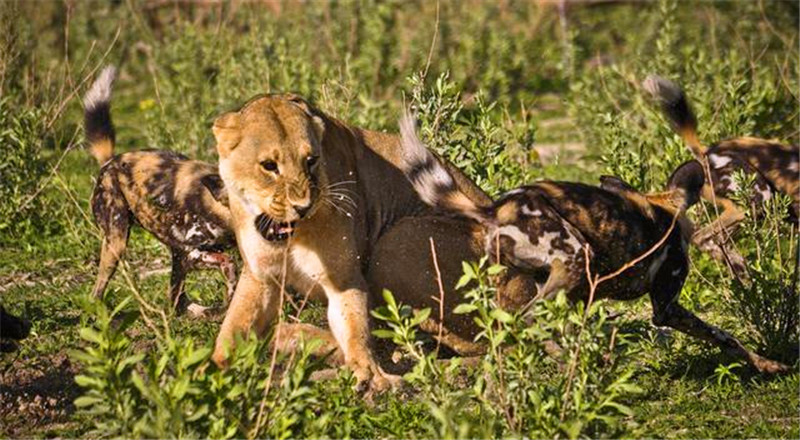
point(35, 398)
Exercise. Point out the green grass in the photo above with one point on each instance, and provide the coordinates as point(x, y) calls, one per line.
point(360, 61)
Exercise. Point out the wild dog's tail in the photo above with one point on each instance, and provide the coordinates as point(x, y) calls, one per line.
point(98, 127)
point(430, 178)
point(677, 109)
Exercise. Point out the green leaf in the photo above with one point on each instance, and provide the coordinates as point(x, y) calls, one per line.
point(495, 269)
point(389, 298)
point(420, 316)
point(84, 401)
point(619, 407)
point(462, 309)
point(463, 281)
point(87, 381)
point(135, 359)
point(383, 333)
point(92, 335)
point(466, 268)
point(502, 316)
point(82, 356)
point(197, 356)
point(573, 430)
point(121, 305)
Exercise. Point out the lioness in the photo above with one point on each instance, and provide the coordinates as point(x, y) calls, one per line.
point(326, 204)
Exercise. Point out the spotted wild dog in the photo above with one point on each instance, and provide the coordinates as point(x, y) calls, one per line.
point(182, 202)
point(552, 227)
point(775, 167)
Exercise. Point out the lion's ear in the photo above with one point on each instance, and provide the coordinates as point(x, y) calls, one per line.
point(227, 131)
point(318, 125)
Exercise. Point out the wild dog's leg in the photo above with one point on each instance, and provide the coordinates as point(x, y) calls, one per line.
point(115, 241)
point(211, 260)
point(712, 237)
point(225, 264)
point(665, 290)
point(228, 269)
point(254, 307)
point(288, 337)
point(562, 277)
point(180, 265)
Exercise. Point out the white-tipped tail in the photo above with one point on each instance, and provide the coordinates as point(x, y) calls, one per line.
point(662, 89)
point(100, 92)
point(676, 108)
point(430, 179)
point(98, 128)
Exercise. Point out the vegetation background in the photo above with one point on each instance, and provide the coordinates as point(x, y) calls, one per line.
point(511, 91)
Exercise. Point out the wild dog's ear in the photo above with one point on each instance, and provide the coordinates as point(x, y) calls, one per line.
point(317, 123)
point(227, 131)
point(615, 184)
point(215, 185)
point(689, 179)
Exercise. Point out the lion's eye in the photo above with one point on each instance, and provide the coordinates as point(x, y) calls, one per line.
point(270, 165)
point(311, 160)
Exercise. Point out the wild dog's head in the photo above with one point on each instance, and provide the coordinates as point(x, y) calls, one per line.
point(685, 184)
point(269, 152)
point(683, 190)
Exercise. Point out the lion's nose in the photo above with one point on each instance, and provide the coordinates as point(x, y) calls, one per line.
point(302, 210)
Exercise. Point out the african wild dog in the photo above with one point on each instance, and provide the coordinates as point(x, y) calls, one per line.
point(775, 167)
point(552, 227)
point(182, 202)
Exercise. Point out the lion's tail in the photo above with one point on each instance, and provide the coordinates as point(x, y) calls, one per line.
point(430, 178)
point(677, 109)
point(98, 127)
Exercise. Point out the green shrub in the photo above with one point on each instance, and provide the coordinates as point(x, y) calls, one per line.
point(170, 389)
point(22, 173)
point(768, 302)
point(517, 388)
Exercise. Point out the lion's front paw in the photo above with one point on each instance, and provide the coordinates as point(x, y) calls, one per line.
point(371, 380)
point(384, 382)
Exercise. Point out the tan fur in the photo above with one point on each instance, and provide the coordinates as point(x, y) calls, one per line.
point(507, 213)
point(689, 135)
point(102, 150)
point(359, 198)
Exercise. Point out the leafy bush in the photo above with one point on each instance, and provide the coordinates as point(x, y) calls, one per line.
point(545, 374)
point(22, 171)
point(768, 302)
point(170, 389)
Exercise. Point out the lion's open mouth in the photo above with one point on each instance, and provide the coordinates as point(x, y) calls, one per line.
point(272, 230)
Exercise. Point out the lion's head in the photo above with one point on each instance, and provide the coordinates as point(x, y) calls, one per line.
point(269, 153)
